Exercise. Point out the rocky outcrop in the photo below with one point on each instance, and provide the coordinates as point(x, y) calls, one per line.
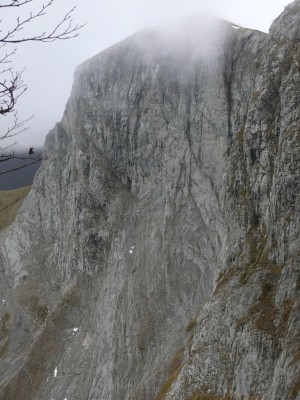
point(157, 255)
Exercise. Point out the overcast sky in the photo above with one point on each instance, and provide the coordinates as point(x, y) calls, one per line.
point(50, 67)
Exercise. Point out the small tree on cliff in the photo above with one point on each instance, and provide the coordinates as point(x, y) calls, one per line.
point(12, 85)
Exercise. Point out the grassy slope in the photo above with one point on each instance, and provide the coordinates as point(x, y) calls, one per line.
point(10, 202)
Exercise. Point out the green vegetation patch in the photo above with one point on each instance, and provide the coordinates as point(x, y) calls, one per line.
point(10, 202)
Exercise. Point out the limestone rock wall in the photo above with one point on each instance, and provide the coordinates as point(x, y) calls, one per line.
point(157, 254)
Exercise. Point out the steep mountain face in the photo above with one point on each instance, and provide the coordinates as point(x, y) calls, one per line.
point(157, 254)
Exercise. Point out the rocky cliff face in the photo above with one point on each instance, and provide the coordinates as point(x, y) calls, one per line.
point(157, 254)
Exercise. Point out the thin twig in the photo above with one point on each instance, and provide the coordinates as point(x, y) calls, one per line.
point(22, 166)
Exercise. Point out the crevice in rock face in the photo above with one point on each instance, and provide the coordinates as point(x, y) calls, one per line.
point(227, 78)
point(231, 58)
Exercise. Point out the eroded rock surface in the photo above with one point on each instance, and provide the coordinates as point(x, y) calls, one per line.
point(157, 255)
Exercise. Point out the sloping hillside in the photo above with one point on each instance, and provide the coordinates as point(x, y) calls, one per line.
point(10, 202)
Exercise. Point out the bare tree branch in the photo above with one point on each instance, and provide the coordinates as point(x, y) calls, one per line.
point(12, 85)
point(63, 30)
point(11, 88)
point(6, 57)
point(17, 128)
point(15, 3)
point(8, 146)
point(6, 157)
point(20, 167)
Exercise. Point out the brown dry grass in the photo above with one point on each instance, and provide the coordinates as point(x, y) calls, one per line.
point(191, 325)
point(263, 313)
point(174, 369)
point(5, 331)
point(10, 202)
point(224, 278)
point(29, 298)
point(295, 389)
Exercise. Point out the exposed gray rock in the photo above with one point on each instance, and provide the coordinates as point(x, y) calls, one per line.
point(157, 254)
